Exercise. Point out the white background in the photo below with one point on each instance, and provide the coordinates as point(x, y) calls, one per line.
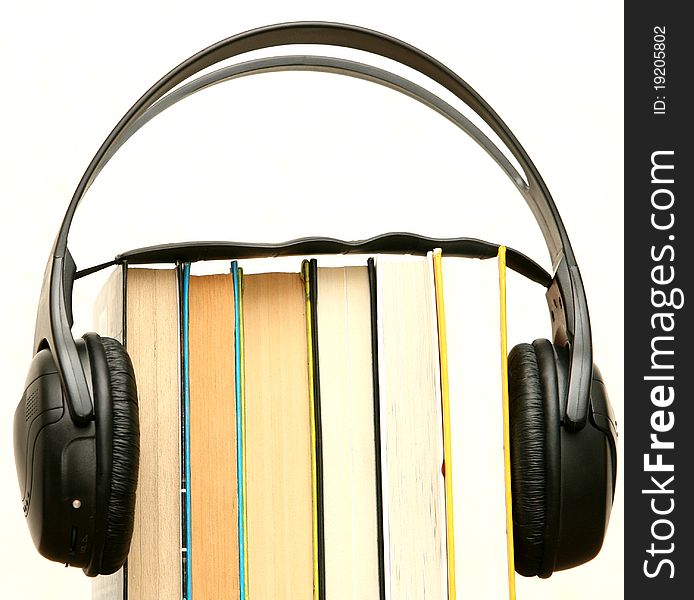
point(277, 156)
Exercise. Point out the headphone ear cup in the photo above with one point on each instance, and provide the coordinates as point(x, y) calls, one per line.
point(527, 436)
point(126, 457)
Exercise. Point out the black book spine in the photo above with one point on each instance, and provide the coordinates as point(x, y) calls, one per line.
point(371, 265)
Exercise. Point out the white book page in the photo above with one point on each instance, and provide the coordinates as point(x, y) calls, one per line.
point(471, 299)
point(411, 430)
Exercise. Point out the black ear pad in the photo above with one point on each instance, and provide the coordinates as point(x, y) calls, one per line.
point(552, 382)
point(126, 457)
point(527, 437)
point(122, 405)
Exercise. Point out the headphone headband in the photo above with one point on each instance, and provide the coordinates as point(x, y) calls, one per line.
point(348, 36)
point(54, 319)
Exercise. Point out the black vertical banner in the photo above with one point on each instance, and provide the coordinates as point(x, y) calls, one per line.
point(658, 458)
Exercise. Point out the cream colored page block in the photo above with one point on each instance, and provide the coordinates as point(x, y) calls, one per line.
point(278, 438)
point(411, 430)
point(347, 420)
point(108, 308)
point(471, 297)
point(154, 563)
point(213, 486)
point(108, 587)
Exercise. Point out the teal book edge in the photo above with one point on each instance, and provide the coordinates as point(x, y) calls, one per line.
point(240, 429)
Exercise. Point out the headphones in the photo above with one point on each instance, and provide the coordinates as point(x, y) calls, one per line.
point(76, 431)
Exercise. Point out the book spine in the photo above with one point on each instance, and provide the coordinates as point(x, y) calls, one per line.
point(371, 267)
point(446, 413)
point(507, 427)
point(310, 275)
point(237, 275)
point(186, 554)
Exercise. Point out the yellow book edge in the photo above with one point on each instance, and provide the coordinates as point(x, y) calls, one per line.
point(446, 411)
point(507, 444)
point(312, 411)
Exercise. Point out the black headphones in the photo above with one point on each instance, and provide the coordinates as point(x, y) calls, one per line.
point(76, 432)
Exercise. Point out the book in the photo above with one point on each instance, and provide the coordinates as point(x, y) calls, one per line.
point(213, 492)
point(411, 429)
point(308, 435)
point(348, 438)
point(309, 273)
point(471, 296)
point(279, 502)
point(448, 464)
point(141, 308)
point(240, 402)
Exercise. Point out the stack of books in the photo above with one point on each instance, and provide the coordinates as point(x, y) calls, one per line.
point(331, 433)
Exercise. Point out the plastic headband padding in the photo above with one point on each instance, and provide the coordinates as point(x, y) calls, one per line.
point(53, 323)
point(388, 243)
